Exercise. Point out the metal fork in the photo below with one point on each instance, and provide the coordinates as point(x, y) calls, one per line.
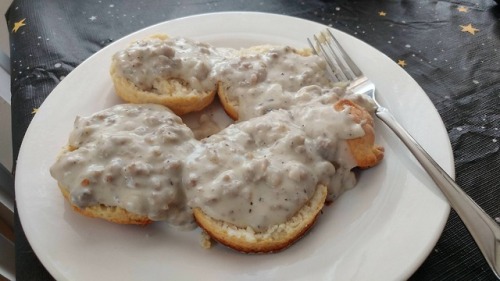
point(484, 230)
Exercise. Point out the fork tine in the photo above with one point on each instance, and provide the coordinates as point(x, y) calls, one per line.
point(330, 57)
point(331, 53)
point(341, 66)
point(332, 66)
point(312, 46)
point(344, 57)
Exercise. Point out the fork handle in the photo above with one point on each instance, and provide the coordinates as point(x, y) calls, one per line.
point(484, 230)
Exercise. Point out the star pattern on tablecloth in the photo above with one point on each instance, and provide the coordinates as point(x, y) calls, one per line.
point(469, 28)
point(34, 111)
point(402, 63)
point(465, 27)
point(18, 25)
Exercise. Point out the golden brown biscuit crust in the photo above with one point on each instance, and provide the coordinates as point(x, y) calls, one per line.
point(363, 149)
point(170, 92)
point(275, 239)
point(109, 213)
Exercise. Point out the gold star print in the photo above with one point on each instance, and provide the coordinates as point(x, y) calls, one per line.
point(469, 28)
point(462, 9)
point(18, 25)
point(34, 111)
point(382, 13)
point(402, 63)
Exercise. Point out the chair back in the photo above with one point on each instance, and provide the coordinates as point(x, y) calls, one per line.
point(7, 257)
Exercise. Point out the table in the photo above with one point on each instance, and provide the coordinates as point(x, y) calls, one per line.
point(450, 48)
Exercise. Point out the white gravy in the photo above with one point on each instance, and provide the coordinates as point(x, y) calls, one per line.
point(257, 172)
point(250, 77)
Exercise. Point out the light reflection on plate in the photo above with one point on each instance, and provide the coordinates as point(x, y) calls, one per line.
point(381, 230)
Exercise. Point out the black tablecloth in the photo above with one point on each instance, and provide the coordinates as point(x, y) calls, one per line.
point(451, 48)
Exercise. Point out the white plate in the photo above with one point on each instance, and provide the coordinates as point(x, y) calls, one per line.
point(381, 230)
